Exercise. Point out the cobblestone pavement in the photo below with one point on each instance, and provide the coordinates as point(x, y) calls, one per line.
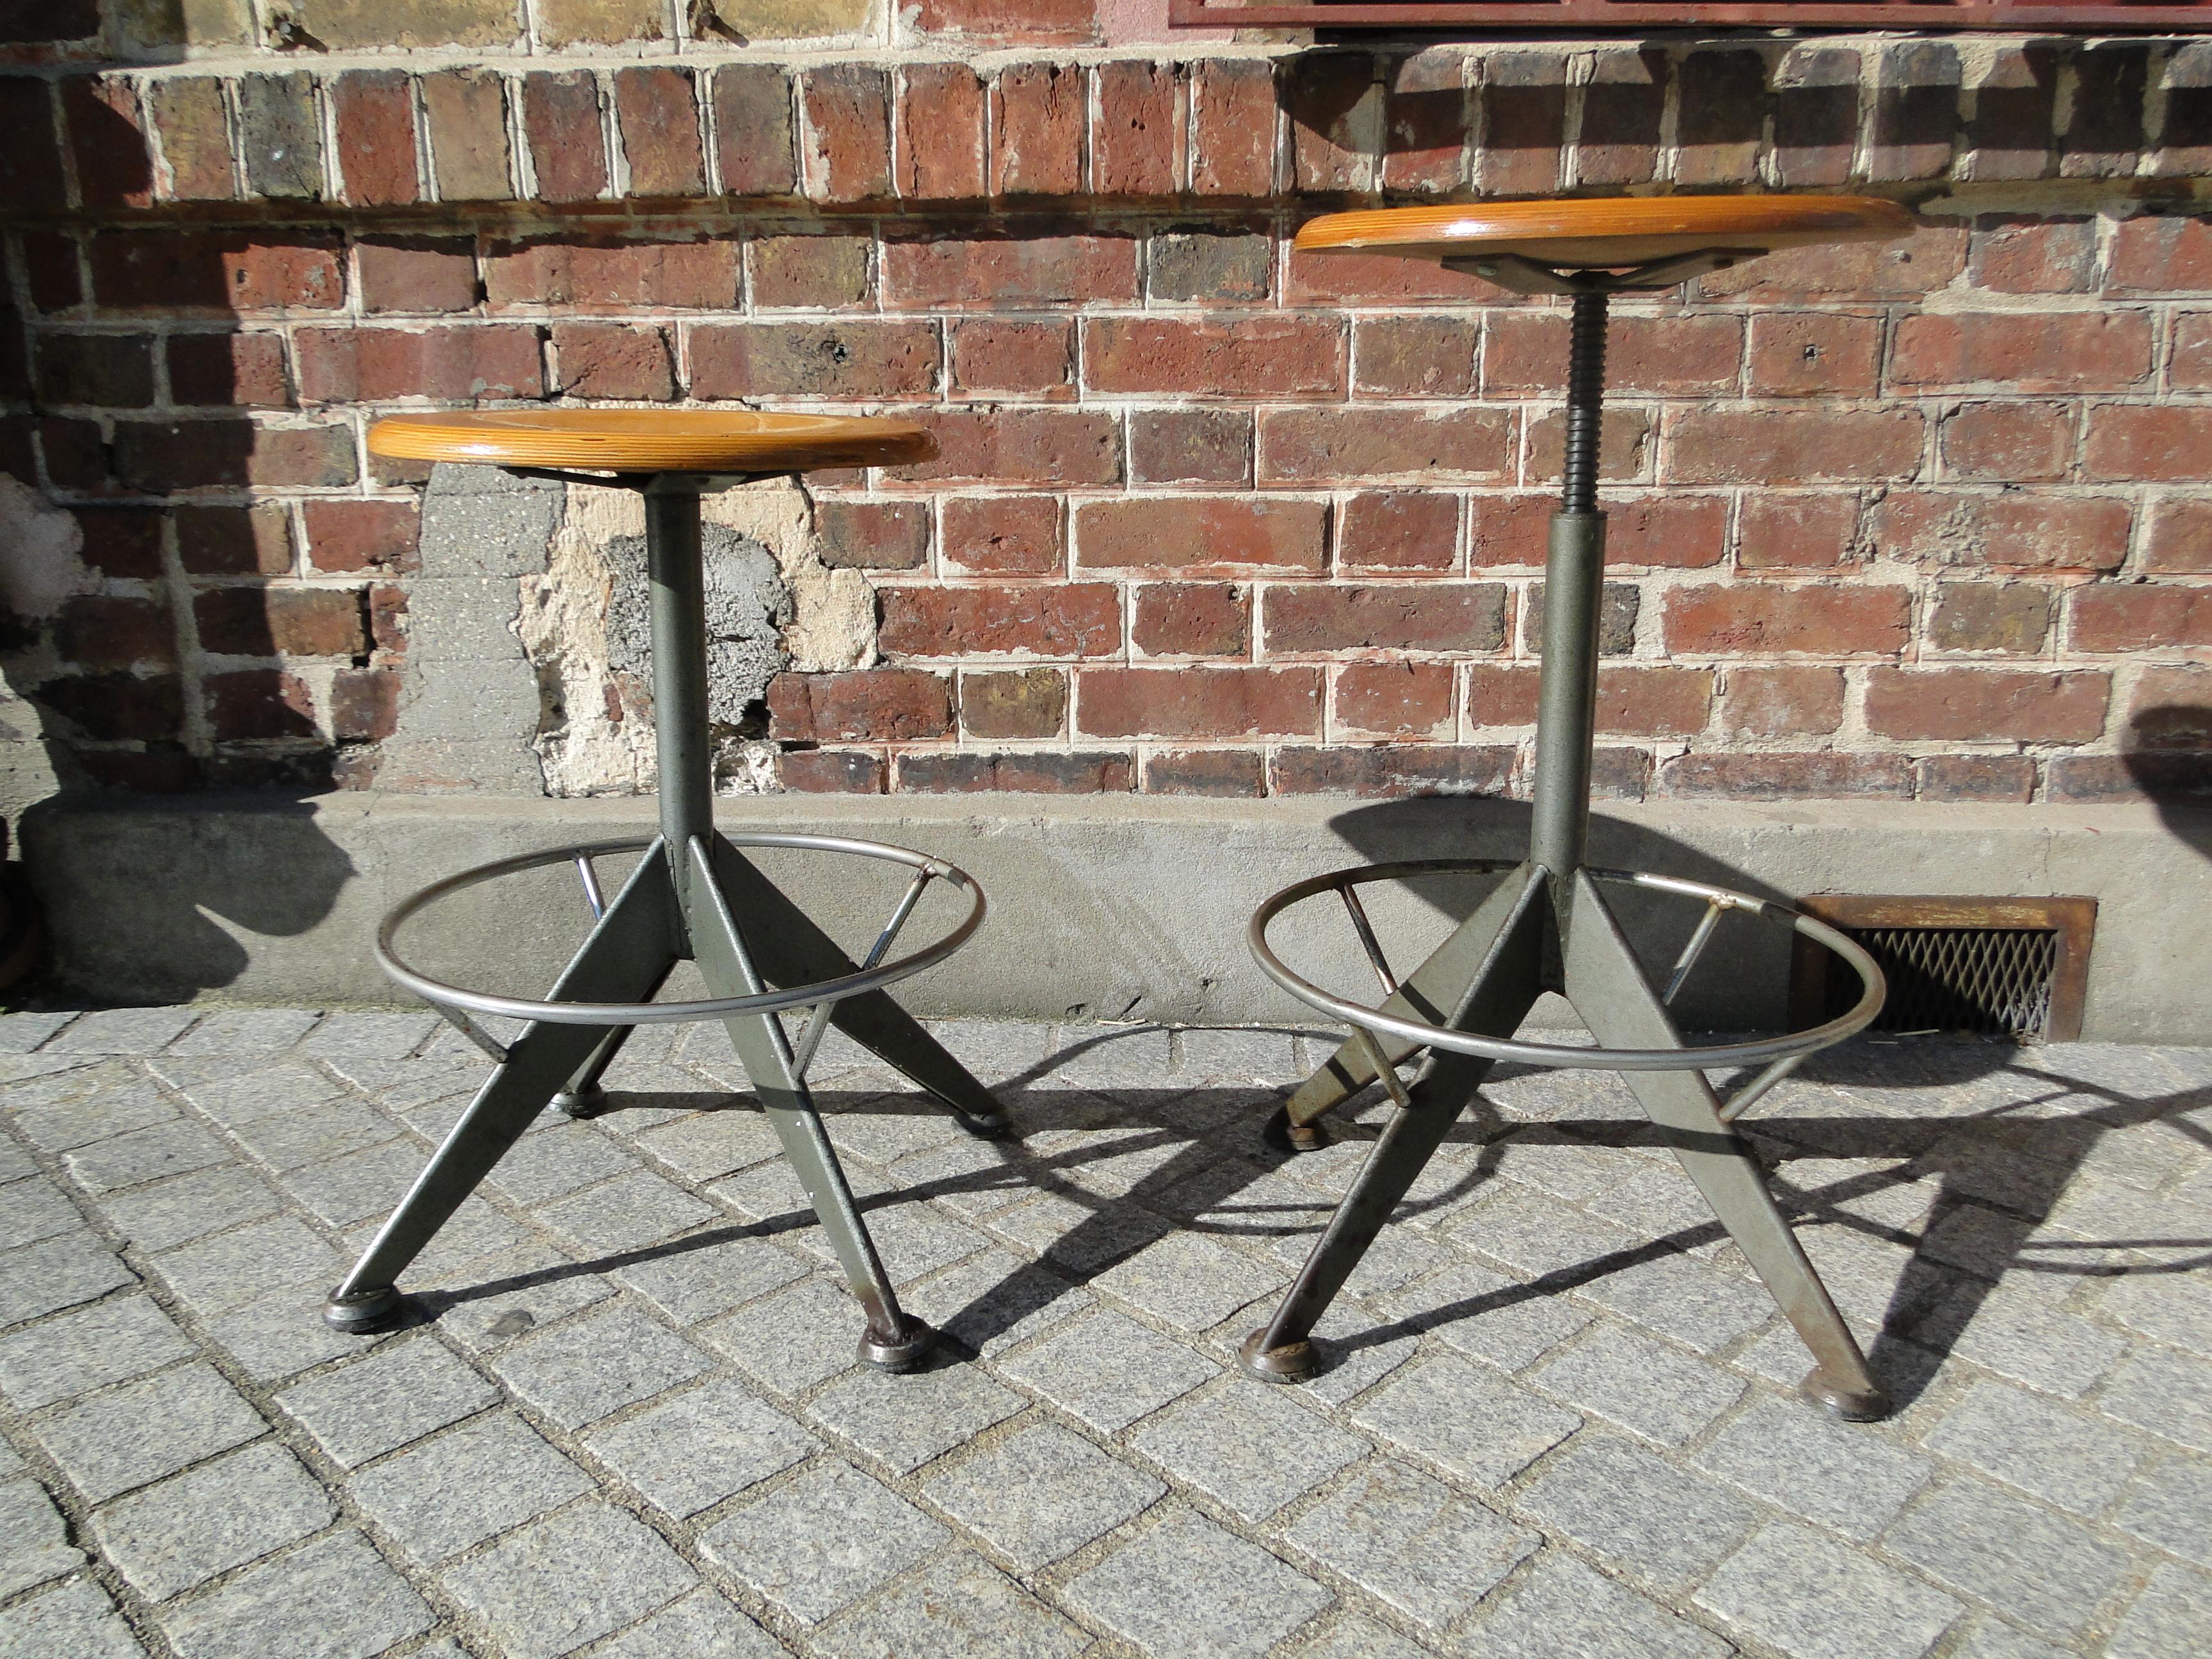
point(628, 1421)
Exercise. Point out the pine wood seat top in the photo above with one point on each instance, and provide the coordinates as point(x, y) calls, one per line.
point(1609, 234)
point(651, 440)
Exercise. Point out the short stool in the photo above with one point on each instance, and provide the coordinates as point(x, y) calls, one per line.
point(694, 894)
point(1547, 925)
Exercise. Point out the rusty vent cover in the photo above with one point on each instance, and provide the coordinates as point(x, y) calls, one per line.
point(2000, 967)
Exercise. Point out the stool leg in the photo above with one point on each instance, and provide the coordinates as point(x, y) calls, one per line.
point(1606, 986)
point(630, 950)
point(1506, 985)
point(894, 1340)
point(1439, 991)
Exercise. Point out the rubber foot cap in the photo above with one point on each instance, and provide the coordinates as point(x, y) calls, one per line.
point(901, 1353)
point(1852, 1405)
point(1285, 1136)
point(993, 1126)
point(363, 1311)
point(581, 1102)
point(1292, 1362)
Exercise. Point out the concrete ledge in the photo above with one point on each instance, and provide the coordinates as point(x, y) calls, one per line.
point(1102, 908)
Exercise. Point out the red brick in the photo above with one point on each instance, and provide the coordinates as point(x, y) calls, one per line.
point(100, 631)
point(994, 273)
point(1012, 23)
point(1395, 699)
point(1674, 533)
point(464, 362)
point(885, 705)
point(1414, 356)
point(1381, 446)
point(567, 145)
point(364, 704)
point(1622, 110)
point(2017, 529)
point(1653, 702)
point(1454, 617)
point(115, 371)
point(415, 274)
point(1782, 702)
point(941, 156)
point(1395, 769)
point(1804, 353)
point(107, 141)
point(1190, 446)
point(76, 455)
point(31, 178)
point(387, 617)
point(1192, 619)
point(2157, 442)
point(1501, 694)
point(154, 456)
point(226, 272)
point(2009, 778)
point(290, 622)
point(1336, 119)
point(831, 771)
point(1979, 704)
point(1225, 773)
point(2170, 709)
point(1816, 115)
point(2033, 256)
point(1827, 774)
point(2008, 442)
point(2180, 540)
point(1198, 702)
point(1031, 772)
point(345, 536)
point(374, 113)
point(1526, 352)
point(1523, 124)
point(1233, 121)
point(1037, 128)
point(1399, 530)
point(1077, 619)
point(657, 117)
point(118, 707)
point(2139, 617)
point(2168, 779)
point(1426, 122)
point(2162, 253)
point(188, 114)
point(1003, 356)
point(872, 535)
point(235, 370)
point(845, 154)
point(234, 541)
point(259, 703)
point(1024, 703)
point(2009, 616)
point(856, 359)
point(1005, 535)
point(123, 541)
point(1058, 447)
point(819, 273)
point(1745, 619)
point(1792, 446)
point(686, 276)
point(51, 261)
point(1191, 533)
point(464, 111)
point(1509, 529)
point(612, 360)
point(1863, 272)
point(1625, 444)
point(1796, 531)
point(1136, 143)
point(1241, 356)
point(2067, 351)
point(752, 130)
point(1225, 265)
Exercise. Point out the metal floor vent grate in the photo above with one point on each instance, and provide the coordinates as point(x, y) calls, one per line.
point(1996, 967)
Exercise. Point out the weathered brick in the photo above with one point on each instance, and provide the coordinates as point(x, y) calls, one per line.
point(1858, 273)
point(894, 705)
point(700, 274)
point(116, 370)
point(1057, 619)
point(1198, 702)
point(1387, 771)
point(291, 622)
point(154, 456)
point(1427, 121)
point(1190, 446)
point(1499, 694)
point(845, 146)
point(53, 270)
point(1782, 702)
point(1982, 704)
point(1414, 356)
point(1005, 535)
point(2019, 529)
point(123, 541)
point(2009, 778)
point(194, 130)
point(1028, 703)
point(754, 155)
point(364, 704)
point(1826, 774)
point(1653, 702)
point(1509, 530)
point(1801, 354)
point(1733, 619)
point(75, 453)
point(2170, 709)
point(464, 113)
point(1790, 446)
point(2068, 351)
point(1453, 616)
point(2139, 617)
point(831, 771)
point(235, 541)
point(1384, 445)
point(808, 272)
point(1724, 103)
point(657, 116)
point(1058, 447)
point(1336, 120)
point(279, 136)
point(242, 371)
point(855, 359)
point(2180, 538)
point(1398, 530)
point(1523, 96)
point(1796, 530)
point(1239, 356)
point(1622, 109)
point(2008, 442)
point(1394, 700)
point(940, 132)
point(1037, 112)
point(1625, 446)
point(1228, 774)
point(2015, 99)
point(464, 362)
point(1136, 140)
point(347, 536)
point(223, 272)
point(1012, 23)
point(2039, 255)
point(97, 631)
point(1001, 356)
point(995, 272)
point(561, 124)
point(31, 176)
point(1192, 619)
point(107, 141)
point(599, 22)
point(1218, 265)
point(116, 707)
point(1676, 532)
point(1233, 123)
point(374, 111)
point(1916, 111)
point(2014, 617)
point(2104, 135)
point(2181, 780)
point(1619, 604)
point(1032, 772)
point(1193, 533)
point(2188, 366)
point(2162, 253)
point(872, 535)
point(2152, 441)
point(258, 704)
point(1816, 115)
point(418, 274)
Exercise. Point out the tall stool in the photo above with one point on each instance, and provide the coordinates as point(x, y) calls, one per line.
point(693, 895)
point(1547, 926)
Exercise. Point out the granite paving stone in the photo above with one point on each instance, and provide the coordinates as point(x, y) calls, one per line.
point(33, 1210)
point(1561, 1609)
point(705, 1145)
point(1989, 1639)
point(1192, 1283)
point(2046, 1348)
point(556, 1584)
point(726, 1269)
point(1108, 1371)
point(580, 1371)
point(236, 1098)
point(793, 1339)
point(2175, 1308)
point(282, 1334)
point(1847, 1478)
point(1680, 1297)
point(75, 1352)
point(357, 1185)
point(1489, 1317)
point(1664, 1525)
point(1647, 1388)
point(1188, 1590)
point(2171, 1506)
point(359, 1034)
point(61, 1272)
point(2168, 1394)
point(1793, 1589)
point(961, 1608)
point(558, 1159)
point(996, 1300)
point(1410, 1542)
point(701, 1623)
point(473, 1482)
point(126, 1030)
point(628, 1213)
point(22, 1032)
point(395, 1396)
point(2070, 1458)
point(283, 1608)
point(2169, 1620)
point(189, 1206)
point(1251, 1450)
point(75, 1619)
point(701, 1447)
point(136, 1433)
point(1468, 1422)
point(230, 1269)
point(905, 1421)
point(1042, 1494)
point(822, 1541)
point(329, 1128)
point(236, 1031)
point(1353, 1635)
point(34, 1544)
point(81, 1116)
point(2037, 1569)
point(169, 1538)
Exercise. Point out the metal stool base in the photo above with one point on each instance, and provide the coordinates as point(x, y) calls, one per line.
point(360, 1313)
point(913, 1344)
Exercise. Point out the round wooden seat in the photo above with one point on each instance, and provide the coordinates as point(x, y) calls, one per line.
point(1611, 234)
point(651, 440)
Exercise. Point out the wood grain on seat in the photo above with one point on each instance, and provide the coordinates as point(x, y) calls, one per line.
point(651, 440)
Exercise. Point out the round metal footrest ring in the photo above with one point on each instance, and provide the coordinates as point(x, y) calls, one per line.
point(872, 976)
point(1776, 1053)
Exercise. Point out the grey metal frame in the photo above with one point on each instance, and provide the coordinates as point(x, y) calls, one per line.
point(1546, 927)
point(694, 896)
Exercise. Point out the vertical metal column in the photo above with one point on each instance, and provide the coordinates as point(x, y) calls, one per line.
point(674, 566)
point(1574, 575)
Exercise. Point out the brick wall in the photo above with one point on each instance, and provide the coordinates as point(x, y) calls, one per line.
point(1926, 520)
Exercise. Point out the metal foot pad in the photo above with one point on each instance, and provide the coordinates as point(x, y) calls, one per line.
point(581, 1102)
point(1293, 1362)
point(1285, 1136)
point(363, 1311)
point(995, 1126)
point(1852, 1405)
point(900, 1354)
